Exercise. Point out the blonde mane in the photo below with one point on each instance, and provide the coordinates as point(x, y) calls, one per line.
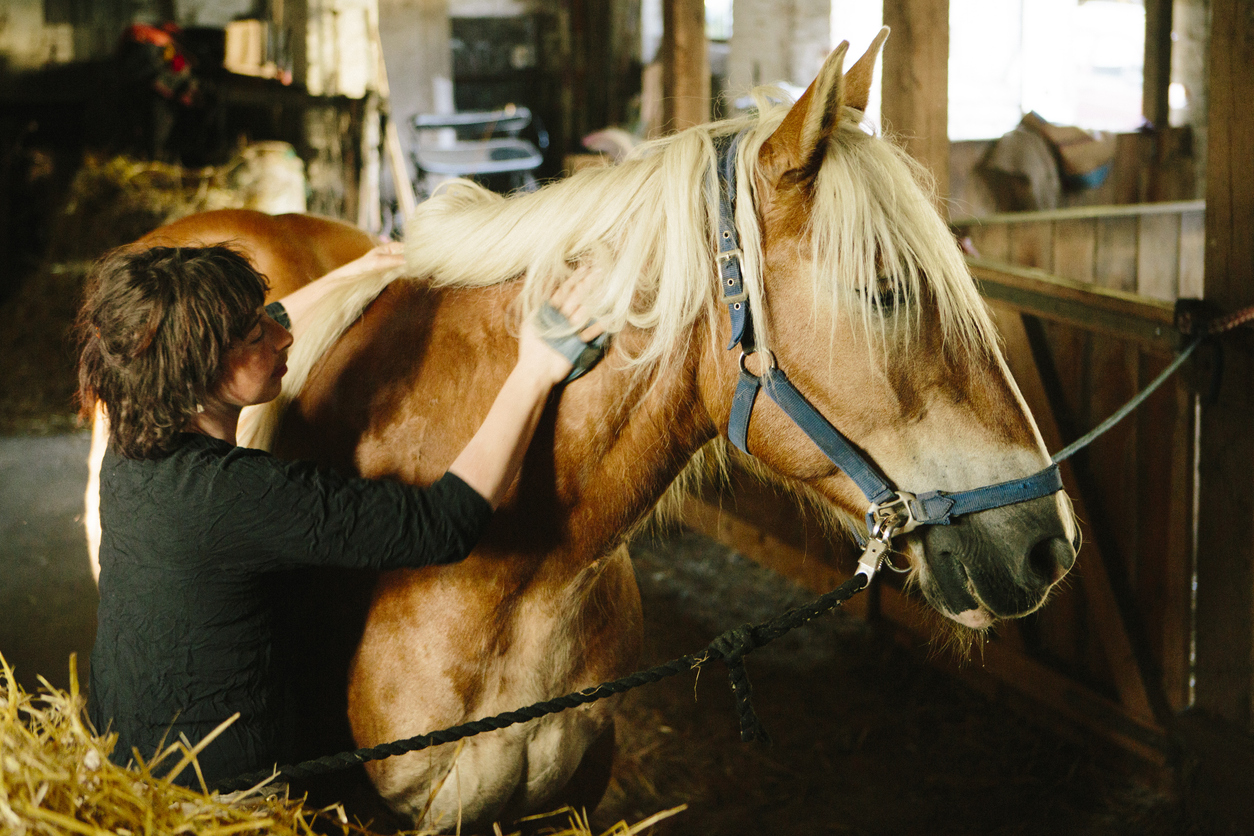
point(872, 229)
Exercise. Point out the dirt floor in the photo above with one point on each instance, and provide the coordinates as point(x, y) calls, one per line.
point(868, 738)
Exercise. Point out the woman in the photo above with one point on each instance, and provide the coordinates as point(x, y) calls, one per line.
point(176, 342)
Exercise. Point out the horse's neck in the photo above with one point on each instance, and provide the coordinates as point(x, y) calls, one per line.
point(641, 432)
point(618, 442)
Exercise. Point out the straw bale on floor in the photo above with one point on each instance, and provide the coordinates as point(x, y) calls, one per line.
point(56, 778)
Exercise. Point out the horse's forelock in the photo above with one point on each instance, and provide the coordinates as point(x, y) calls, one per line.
point(873, 228)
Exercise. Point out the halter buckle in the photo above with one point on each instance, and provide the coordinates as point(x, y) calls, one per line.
point(734, 280)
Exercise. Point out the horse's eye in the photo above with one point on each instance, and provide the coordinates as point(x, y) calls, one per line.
point(886, 295)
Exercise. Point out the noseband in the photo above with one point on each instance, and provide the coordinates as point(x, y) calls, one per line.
point(892, 511)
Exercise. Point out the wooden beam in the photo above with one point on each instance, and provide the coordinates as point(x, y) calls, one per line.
point(916, 83)
point(1225, 557)
point(1075, 213)
point(1157, 73)
point(1103, 310)
point(685, 65)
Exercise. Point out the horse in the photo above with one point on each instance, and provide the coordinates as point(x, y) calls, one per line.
point(854, 283)
point(289, 250)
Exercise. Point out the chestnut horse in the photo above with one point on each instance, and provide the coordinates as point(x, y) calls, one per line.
point(856, 288)
point(289, 250)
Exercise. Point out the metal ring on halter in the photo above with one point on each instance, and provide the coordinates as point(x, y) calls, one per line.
point(769, 354)
point(892, 517)
point(887, 560)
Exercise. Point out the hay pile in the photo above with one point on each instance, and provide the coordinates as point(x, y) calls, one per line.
point(115, 200)
point(37, 378)
point(56, 778)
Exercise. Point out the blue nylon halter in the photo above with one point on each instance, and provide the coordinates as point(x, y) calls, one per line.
point(892, 512)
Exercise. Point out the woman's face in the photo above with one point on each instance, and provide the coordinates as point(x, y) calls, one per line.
point(254, 366)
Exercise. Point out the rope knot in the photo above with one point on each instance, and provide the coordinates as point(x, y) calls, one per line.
point(731, 647)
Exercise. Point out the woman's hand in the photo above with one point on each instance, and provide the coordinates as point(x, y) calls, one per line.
point(491, 460)
point(300, 302)
point(383, 257)
point(535, 356)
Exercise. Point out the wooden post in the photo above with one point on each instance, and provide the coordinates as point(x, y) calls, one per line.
point(1157, 75)
point(685, 65)
point(916, 83)
point(1225, 559)
point(1156, 78)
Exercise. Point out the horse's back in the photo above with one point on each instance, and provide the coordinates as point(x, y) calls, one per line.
point(290, 250)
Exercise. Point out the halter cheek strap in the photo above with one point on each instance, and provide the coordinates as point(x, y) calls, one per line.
point(892, 511)
point(730, 266)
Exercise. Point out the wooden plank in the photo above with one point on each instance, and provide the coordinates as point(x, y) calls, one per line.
point(1116, 253)
point(992, 242)
point(1111, 461)
point(1032, 245)
point(1165, 472)
point(916, 84)
point(1158, 257)
point(1225, 557)
point(685, 65)
point(1192, 254)
point(1128, 183)
point(1134, 210)
point(1068, 633)
point(1107, 311)
point(1075, 248)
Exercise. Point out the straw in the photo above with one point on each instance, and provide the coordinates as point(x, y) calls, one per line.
point(56, 778)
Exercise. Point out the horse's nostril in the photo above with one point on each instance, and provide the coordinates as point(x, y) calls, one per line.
point(1050, 559)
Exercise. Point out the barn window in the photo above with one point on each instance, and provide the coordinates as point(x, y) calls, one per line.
point(718, 20)
point(858, 21)
point(1074, 62)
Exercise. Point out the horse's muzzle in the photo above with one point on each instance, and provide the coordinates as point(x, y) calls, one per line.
point(1000, 563)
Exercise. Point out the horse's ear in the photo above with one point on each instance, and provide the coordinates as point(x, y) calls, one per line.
point(801, 139)
point(858, 79)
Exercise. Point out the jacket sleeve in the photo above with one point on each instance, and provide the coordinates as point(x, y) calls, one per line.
point(285, 514)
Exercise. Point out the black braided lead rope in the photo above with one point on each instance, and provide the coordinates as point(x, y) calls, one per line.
point(730, 648)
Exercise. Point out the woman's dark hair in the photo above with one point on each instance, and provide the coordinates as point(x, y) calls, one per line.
point(153, 331)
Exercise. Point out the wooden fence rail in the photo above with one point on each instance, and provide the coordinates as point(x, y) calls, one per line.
point(1153, 249)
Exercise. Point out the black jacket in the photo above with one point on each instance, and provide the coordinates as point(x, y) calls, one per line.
point(184, 635)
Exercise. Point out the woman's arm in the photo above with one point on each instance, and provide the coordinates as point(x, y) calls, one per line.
point(491, 460)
